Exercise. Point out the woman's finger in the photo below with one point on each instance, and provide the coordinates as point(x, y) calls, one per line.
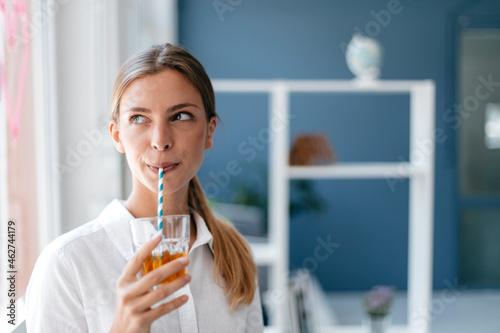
point(163, 309)
point(135, 264)
point(161, 293)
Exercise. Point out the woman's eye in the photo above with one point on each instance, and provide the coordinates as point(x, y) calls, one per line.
point(137, 119)
point(183, 116)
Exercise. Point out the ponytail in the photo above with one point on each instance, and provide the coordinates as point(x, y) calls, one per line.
point(232, 255)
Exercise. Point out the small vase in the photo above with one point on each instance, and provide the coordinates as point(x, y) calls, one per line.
point(364, 57)
point(377, 324)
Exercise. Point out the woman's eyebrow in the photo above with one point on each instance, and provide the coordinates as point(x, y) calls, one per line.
point(180, 106)
point(170, 109)
point(138, 109)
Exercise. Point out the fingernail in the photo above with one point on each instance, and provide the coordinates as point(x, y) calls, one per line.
point(184, 260)
point(184, 298)
point(187, 277)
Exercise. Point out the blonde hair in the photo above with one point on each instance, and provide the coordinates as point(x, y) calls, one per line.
point(235, 269)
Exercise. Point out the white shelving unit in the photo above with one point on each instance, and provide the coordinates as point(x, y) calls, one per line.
point(419, 170)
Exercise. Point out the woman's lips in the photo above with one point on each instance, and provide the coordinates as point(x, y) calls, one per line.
point(166, 169)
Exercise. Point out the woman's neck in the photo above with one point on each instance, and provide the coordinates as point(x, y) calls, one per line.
point(144, 203)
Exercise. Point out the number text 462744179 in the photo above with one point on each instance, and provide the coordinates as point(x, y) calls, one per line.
point(11, 272)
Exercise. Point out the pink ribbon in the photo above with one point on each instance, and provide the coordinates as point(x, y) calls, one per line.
point(19, 10)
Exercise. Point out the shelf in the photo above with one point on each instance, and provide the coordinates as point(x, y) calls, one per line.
point(264, 254)
point(420, 199)
point(315, 86)
point(354, 170)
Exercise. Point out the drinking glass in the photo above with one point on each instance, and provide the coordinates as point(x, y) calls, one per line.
point(174, 241)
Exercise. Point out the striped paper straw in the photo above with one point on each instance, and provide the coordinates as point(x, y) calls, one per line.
point(160, 197)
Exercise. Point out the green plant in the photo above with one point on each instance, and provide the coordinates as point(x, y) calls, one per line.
point(305, 199)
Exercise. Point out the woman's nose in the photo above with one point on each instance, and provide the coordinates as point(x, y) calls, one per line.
point(161, 139)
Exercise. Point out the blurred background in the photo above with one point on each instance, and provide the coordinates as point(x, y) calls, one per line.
point(59, 169)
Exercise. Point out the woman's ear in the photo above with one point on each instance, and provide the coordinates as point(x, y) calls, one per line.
point(115, 135)
point(210, 133)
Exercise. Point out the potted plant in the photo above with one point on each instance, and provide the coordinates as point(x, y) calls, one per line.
point(378, 303)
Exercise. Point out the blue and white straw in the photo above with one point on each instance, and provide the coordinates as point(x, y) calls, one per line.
point(160, 197)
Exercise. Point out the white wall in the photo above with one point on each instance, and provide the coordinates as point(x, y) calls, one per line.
point(93, 38)
point(89, 165)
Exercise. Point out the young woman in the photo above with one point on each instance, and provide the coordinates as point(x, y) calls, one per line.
point(163, 116)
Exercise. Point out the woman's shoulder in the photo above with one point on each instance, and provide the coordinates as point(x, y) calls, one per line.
point(90, 232)
point(54, 264)
point(63, 244)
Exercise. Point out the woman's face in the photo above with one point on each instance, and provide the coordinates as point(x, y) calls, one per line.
point(162, 124)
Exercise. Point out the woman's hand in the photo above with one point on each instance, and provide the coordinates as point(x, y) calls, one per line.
point(134, 300)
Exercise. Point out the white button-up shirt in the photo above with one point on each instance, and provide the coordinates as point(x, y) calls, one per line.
point(73, 285)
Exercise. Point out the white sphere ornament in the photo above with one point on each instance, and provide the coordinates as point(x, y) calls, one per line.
point(364, 57)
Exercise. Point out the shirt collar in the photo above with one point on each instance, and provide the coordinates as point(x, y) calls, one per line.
point(203, 235)
point(115, 219)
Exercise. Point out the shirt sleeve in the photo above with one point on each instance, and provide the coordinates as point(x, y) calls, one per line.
point(254, 321)
point(53, 302)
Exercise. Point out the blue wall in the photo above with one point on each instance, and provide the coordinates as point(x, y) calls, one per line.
point(303, 40)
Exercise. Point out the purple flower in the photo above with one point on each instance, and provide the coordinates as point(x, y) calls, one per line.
point(378, 301)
